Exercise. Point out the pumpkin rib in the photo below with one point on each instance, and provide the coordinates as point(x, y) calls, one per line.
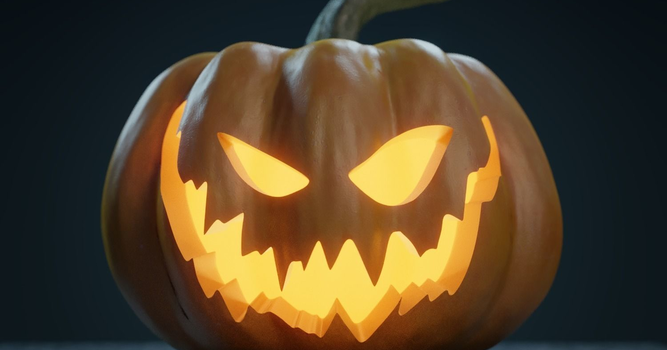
point(471, 93)
point(503, 318)
point(474, 331)
point(158, 207)
point(386, 71)
point(482, 321)
point(137, 274)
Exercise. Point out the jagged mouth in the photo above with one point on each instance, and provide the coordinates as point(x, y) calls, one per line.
point(310, 297)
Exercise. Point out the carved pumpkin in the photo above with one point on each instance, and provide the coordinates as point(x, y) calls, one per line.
point(333, 196)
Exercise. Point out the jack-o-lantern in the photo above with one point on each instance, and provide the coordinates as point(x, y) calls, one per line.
point(332, 196)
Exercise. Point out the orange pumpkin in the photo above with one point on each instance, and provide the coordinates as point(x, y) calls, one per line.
point(332, 196)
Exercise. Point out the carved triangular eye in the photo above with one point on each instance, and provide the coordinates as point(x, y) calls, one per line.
point(261, 171)
point(400, 170)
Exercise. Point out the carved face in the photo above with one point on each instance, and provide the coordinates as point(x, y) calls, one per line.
point(313, 292)
point(334, 196)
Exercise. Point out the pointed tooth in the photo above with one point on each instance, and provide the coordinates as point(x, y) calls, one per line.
point(295, 268)
point(399, 263)
point(349, 270)
point(449, 228)
point(269, 274)
point(317, 260)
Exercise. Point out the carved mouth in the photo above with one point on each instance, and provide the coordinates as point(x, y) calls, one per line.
point(312, 296)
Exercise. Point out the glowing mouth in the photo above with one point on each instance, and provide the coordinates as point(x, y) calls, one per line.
point(311, 297)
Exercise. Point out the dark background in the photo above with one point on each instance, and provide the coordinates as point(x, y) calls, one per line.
point(590, 75)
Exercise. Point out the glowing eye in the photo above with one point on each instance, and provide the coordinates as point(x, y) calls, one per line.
point(400, 170)
point(261, 171)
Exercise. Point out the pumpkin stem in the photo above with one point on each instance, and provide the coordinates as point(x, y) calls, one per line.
point(344, 18)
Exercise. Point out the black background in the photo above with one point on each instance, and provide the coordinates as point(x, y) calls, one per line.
point(590, 75)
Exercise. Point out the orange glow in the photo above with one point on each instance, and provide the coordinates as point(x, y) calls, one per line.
point(401, 169)
point(261, 171)
point(312, 295)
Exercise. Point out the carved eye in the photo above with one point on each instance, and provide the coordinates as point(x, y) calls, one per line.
point(400, 170)
point(261, 171)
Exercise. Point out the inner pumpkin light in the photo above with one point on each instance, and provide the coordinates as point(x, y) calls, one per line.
point(261, 171)
point(312, 296)
point(400, 170)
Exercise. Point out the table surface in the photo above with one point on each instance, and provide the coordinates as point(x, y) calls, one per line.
point(503, 346)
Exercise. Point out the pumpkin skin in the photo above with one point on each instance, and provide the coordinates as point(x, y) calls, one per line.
point(323, 109)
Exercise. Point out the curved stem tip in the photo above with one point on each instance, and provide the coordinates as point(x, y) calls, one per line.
point(345, 18)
